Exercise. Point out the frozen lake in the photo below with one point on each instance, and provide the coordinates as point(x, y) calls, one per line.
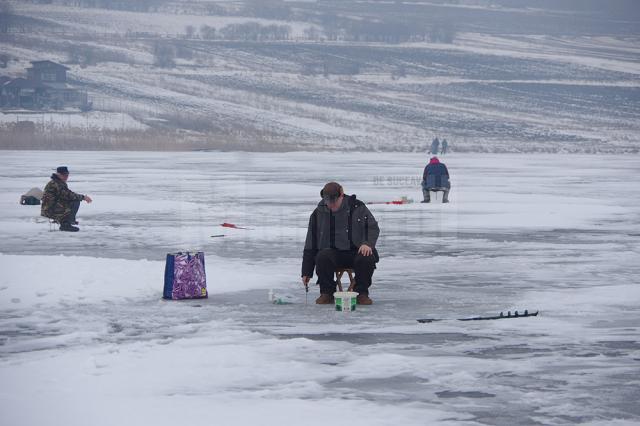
point(85, 338)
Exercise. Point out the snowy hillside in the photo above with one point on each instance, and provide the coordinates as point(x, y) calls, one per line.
point(345, 75)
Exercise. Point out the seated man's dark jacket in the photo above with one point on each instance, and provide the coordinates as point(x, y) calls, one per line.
point(347, 229)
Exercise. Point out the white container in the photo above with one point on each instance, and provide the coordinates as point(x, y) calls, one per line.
point(345, 300)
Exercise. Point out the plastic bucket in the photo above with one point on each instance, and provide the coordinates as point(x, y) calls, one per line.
point(345, 300)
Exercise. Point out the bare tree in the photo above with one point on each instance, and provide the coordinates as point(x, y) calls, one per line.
point(254, 31)
point(312, 33)
point(207, 32)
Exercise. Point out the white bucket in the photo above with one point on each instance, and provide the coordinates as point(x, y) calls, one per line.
point(345, 300)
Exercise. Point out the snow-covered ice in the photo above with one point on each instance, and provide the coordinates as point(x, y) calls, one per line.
point(85, 338)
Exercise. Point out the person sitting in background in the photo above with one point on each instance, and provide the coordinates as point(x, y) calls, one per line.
point(435, 178)
point(61, 204)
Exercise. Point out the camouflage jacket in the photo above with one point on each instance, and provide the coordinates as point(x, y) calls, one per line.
point(57, 198)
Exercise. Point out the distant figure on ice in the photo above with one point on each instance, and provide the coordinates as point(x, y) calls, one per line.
point(342, 233)
point(445, 146)
point(435, 145)
point(435, 178)
point(60, 203)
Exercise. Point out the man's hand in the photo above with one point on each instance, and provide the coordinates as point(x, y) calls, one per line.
point(305, 280)
point(87, 199)
point(365, 250)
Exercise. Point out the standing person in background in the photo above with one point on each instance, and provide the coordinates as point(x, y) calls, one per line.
point(435, 145)
point(60, 203)
point(445, 146)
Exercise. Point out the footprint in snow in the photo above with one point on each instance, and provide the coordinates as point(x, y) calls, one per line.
point(15, 300)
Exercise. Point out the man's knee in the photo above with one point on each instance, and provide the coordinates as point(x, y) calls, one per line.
point(367, 262)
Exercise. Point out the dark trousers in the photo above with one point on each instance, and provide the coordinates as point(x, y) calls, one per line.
point(328, 260)
point(70, 217)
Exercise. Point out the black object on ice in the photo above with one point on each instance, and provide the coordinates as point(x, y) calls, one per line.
point(501, 316)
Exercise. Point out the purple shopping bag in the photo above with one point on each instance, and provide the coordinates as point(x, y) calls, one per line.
point(184, 276)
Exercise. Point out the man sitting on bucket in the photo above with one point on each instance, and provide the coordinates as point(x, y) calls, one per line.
point(435, 178)
point(60, 203)
point(342, 233)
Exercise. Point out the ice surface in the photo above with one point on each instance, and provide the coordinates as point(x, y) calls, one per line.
point(85, 337)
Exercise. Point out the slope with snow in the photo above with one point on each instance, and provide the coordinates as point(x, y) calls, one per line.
point(571, 88)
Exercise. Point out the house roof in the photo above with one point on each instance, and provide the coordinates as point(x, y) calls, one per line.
point(47, 64)
point(58, 86)
point(22, 83)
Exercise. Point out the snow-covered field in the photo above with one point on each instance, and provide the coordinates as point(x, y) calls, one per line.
point(511, 81)
point(85, 338)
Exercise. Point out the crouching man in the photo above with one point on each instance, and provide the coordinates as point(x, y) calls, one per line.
point(435, 178)
point(342, 233)
point(60, 203)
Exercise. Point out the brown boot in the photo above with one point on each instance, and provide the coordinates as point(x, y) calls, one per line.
point(325, 299)
point(363, 299)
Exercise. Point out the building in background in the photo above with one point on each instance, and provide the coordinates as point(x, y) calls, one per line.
point(45, 88)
